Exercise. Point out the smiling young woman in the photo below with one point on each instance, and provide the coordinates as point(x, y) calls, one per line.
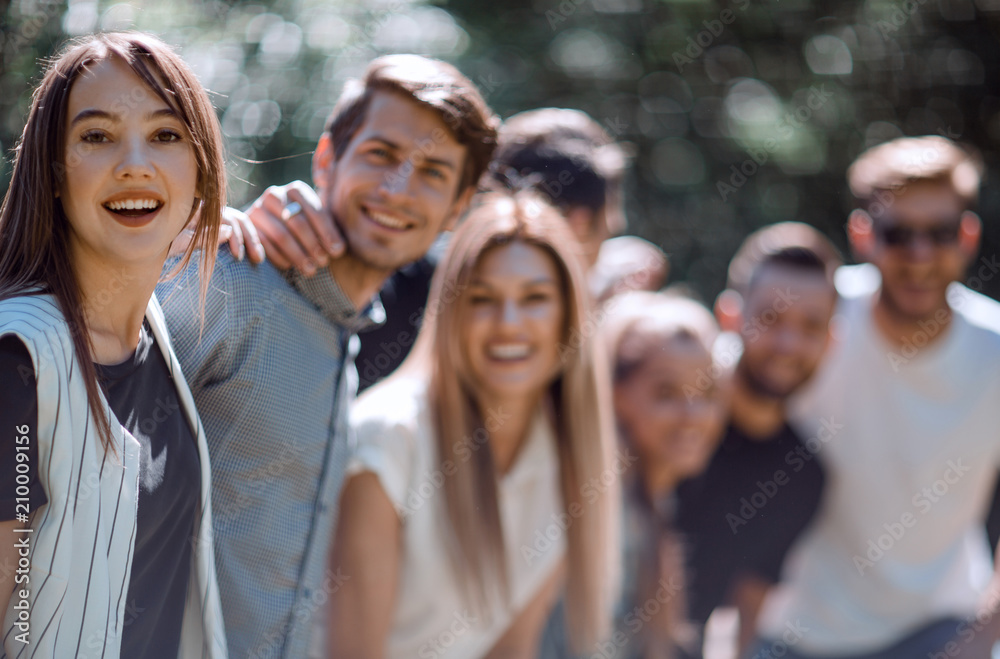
point(107, 474)
point(466, 509)
point(670, 406)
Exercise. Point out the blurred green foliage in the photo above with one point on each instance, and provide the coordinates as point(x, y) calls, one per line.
point(738, 113)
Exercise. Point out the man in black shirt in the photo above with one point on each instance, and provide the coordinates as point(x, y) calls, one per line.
point(764, 483)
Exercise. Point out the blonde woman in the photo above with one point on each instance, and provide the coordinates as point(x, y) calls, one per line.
point(482, 482)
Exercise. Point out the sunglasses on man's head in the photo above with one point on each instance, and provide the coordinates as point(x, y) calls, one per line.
point(940, 235)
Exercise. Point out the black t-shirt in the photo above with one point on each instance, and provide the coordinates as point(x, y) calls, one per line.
point(18, 421)
point(741, 516)
point(993, 517)
point(143, 397)
point(403, 296)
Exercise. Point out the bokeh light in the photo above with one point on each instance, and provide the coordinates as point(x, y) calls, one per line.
point(796, 88)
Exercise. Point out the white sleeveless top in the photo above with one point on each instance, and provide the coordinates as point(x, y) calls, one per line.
point(83, 539)
point(396, 443)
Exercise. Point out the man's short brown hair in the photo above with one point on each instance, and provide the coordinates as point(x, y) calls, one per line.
point(789, 244)
point(885, 170)
point(431, 83)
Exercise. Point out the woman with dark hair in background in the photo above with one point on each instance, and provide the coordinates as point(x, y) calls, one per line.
point(105, 469)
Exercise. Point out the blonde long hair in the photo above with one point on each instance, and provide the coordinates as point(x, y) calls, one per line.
point(579, 398)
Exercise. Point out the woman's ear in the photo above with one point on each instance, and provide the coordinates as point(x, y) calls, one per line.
point(729, 310)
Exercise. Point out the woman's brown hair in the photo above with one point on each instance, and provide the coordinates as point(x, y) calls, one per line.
point(34, 229)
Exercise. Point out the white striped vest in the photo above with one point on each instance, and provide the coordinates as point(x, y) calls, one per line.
point(83, 540)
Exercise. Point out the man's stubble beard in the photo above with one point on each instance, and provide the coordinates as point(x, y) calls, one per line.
point(762, 389)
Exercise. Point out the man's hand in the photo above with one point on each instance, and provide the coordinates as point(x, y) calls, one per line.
point(295, 229)
point(236, 229)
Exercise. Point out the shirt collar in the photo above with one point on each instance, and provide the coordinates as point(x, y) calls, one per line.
point(331, 301)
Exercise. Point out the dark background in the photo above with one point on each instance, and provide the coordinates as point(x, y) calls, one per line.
point(692, 86)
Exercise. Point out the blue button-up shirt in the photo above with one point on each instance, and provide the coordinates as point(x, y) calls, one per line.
point(271, 371)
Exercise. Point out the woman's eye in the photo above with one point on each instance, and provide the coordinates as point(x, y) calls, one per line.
point(479, 299)
point(94, 136)
point(538, 297)
point(168, 135)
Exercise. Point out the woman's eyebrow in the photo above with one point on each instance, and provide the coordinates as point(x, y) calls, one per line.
point(95, 113)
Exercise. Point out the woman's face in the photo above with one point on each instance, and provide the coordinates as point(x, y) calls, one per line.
point(513, 314)
point(670, 408)
point(131, 174)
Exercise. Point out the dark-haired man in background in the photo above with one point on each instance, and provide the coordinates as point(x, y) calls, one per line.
point(571, 159)
point(763, 486)
point(272, 369)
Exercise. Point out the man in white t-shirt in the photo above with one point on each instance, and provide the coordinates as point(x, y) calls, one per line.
point(905, 415)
